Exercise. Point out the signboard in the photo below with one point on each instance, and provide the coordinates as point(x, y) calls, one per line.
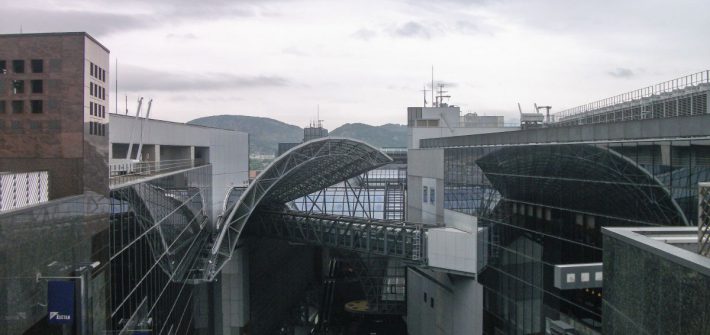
point(60, 301)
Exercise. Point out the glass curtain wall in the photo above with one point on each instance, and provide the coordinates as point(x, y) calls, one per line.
point(157, 231)
point(545, 204)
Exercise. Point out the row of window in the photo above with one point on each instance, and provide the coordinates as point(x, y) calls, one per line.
point(19, 106)
point(51, 125)
point(97, 91)
point(19, 66)
point(97, 72)
point(18, 86)
point(96, 128)
point(97, 110)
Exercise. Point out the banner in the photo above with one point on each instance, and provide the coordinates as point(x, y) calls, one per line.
point(60, 301)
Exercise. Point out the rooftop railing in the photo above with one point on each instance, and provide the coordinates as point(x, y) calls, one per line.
point(124, 172)
point(664, 87)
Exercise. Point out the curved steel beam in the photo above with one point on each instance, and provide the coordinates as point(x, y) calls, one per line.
point(300, 171)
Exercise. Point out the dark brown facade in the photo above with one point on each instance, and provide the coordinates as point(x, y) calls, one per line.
point(53, 101)
point(53, 117)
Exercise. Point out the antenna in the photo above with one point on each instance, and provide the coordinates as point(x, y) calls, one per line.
point(432, 87)
point(441, 96)
point(116, 85)
point(424, 91)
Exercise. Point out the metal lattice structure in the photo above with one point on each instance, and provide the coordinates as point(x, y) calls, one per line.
point(303, 170)
point(575, 175)
point(377, 194)
point(704, 219)
point(388, 238)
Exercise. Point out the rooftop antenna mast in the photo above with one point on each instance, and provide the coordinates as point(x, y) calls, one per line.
point(433, 102)
point(424, 91)
point(441, 96)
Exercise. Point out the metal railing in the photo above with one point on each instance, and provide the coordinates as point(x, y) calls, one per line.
point(120, 173)
point(664, 87)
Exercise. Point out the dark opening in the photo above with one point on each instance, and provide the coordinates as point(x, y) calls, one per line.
point(37, 86)
point(18, 106)
point(2, 106)
point(18, 86)
point(37, 66)
point(36, 106)
point(18, 66)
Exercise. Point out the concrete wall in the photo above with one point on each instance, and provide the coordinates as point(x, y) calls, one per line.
point(685, 126)
point(228, 149)
point(416, 134)
point(425, 168)
point(442, 304)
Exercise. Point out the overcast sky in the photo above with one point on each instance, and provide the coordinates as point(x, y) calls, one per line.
point(366, 61)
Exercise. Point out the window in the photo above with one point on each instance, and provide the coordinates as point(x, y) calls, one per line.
point(91, 128)
point(91, 108)
point(598, 276)
point(103, 75)
point(103, 129)
point(2, 106)
point(18, 106)
point(91, 89)
point(3, 67)
point(571, 278)
point(91, 68)
point(431, 302)
point(37, 86)
point(18, 86)
point(585, 277)
point(36, 106)
point(425, 194)
point(432, 195)
point(18, 66)
point(425, 298)
point(37, 65)
point(103, 111)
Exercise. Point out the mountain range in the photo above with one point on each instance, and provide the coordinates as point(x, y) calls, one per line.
point(266, 133)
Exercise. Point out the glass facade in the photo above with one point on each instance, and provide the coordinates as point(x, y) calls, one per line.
point(544, 205)
point(649, 294)
point(47, 241)
point(157, 231)
point(377, 194)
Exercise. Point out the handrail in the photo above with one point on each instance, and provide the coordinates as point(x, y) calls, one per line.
point(127, 171)
point(691, 80)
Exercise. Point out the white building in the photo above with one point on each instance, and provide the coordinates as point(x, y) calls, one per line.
point(445, 121)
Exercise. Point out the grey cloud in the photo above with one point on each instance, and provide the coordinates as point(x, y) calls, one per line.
point(621, 72)
point(41, 16)
point(134, 78)
point(412, 29)
point(364, 34)
point(95, 23)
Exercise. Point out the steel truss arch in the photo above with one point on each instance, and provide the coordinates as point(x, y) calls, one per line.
point(302, 170)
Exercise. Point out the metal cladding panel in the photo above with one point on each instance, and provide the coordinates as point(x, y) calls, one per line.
point(577, 276)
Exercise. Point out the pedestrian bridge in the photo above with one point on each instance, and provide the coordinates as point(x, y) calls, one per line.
point(305, 169)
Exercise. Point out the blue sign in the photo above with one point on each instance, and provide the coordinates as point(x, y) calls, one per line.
point(60, 301)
